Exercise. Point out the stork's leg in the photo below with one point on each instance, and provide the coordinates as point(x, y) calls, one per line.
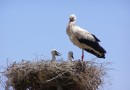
point(82, 57)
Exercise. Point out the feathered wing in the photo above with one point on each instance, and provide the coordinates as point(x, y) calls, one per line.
point(95, 38)
point(91, 41)
point(84, 34)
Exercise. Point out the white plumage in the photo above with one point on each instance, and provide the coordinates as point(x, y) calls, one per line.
point(70, 56)
point(54, 53)
point(84, 39)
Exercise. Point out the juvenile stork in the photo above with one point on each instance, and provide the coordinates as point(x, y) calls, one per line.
point(84, 39)
point(70, 56)
point(54, 53)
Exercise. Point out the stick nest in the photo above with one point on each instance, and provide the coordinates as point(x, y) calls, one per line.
point(47, 75)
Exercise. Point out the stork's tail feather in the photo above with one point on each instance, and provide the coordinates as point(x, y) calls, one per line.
point(99, 55)
point(101, 49)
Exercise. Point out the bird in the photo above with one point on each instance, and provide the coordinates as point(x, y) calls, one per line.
point(84, 39)
point(54, 53)
point(70, 56)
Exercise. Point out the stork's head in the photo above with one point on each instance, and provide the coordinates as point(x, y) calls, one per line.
point(72, 18)
point(70, 55)
point(54, 52)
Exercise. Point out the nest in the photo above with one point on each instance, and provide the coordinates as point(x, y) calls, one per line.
point(47, 75)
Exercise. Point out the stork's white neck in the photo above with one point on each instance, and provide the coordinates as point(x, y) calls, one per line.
point(70, 55)
point(69, 27)
point(69, 58)
point(53, 57)
point(72, 23)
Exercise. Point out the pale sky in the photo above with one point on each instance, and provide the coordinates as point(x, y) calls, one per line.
point(29, 28)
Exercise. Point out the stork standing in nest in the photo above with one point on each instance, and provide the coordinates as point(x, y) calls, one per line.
point(84, 39)
point(54, 53)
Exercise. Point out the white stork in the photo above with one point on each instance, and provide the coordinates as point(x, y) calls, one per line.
point(84, 39)
point(70, 56)
point(54, 53)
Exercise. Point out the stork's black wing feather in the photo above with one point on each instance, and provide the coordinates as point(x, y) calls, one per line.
point(94, 45)
point(94, 53)
point(95, 38)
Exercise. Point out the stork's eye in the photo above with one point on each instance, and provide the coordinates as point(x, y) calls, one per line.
point(55, 51)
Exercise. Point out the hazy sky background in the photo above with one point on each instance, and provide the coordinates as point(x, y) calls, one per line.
point(29, 28)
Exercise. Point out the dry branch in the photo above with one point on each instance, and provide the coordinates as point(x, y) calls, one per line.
point(46, 75)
